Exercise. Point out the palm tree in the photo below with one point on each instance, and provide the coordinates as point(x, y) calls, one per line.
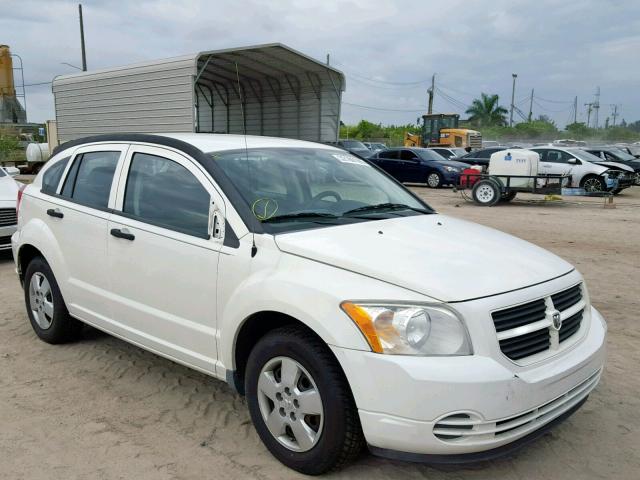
point(486, 111)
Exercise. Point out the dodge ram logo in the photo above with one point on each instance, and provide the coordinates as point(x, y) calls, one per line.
point(557, 320)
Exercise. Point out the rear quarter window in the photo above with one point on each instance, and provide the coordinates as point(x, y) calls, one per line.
point(89, 179)
point(53, 174)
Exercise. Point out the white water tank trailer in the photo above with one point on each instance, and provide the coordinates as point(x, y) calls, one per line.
point(515, 162)
point(37, 152)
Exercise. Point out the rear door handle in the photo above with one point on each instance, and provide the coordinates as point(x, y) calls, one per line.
point(54, 212)
point(122, 233)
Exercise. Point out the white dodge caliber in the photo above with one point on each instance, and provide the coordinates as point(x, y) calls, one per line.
point(344, 308)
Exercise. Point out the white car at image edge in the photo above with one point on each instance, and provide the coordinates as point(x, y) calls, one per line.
point(8, 196)
point(346, 310)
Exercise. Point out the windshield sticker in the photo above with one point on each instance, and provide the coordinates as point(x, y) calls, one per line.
point(344, 158)
point(264, 208)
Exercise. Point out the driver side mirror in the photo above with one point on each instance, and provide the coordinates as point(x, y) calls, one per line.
point(574, 161)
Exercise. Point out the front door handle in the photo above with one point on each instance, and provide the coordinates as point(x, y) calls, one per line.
point(54, 212)
point(122, 233)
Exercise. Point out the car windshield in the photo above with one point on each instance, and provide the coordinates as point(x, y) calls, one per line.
point(353, 144)
point(2, 173)
point(621, 154)
point(634, 150)
point(426, 154)
point(458, 152)
point(295, 188)
point(582, 155)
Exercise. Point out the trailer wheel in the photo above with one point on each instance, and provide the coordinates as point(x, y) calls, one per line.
point(507, 197)
point(486, 193)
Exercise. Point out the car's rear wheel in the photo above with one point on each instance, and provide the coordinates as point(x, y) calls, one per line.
point(486, 193)
point(434, 180)
point(301, 403)
point(593, 183)
point(46, 309)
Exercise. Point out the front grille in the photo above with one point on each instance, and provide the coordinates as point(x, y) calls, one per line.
point(6, 240)
point(567, 298)
point(527, 329)
point(8, 217)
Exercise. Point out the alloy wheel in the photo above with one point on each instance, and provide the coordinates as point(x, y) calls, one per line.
point(433, 180)
point(290, 404)
point(593, 185)
point(41, 300)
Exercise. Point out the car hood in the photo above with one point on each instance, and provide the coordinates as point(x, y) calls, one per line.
point(439, 256)
point(619, 166)
point(452, 163)
point(8, 189)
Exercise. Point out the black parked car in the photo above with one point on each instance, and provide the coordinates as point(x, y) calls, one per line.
point(418, 165)
point(480, 157)
point(615, 154)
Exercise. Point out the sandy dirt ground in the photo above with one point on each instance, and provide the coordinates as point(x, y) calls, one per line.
point(101, 408)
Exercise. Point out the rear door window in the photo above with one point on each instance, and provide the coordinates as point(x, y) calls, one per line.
point(162, 192)
point(389, 154)
point(90, 177)
point(408, 155)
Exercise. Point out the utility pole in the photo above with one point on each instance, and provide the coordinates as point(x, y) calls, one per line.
point(596, 107)
point(614, 114)
point(84, 55)
point(431, 91)
point(513, 97)
point(327, 59)
point(530, 107)
point(589, 106)
point(575, 110)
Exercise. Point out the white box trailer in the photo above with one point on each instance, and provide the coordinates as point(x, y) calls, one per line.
point(282, 93)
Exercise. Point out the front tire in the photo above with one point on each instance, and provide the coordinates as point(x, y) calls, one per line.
point(434, 180)
point(46, 309)
point(300, 402)
point(593, 183)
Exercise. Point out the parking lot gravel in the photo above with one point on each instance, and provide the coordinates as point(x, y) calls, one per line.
point(103, 409)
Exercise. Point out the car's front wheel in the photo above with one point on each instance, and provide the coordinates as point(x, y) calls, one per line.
point(46, 309)
point(434, 180)
point(301, 403)
point(594, 183)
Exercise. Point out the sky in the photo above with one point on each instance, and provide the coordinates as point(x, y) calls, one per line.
point(388, 50)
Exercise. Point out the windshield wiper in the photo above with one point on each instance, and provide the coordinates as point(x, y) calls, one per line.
point(300, 215)
point(385, 206)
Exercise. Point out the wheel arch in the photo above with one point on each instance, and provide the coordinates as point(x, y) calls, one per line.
point(250, 331)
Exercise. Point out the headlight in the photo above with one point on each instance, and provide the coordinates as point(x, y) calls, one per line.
point(410, 329)
point(452, 169)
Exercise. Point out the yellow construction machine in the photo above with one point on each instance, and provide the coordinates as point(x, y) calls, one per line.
point(441, 130)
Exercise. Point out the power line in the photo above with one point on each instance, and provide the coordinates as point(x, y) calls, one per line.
point(552, 101)
point(369, 107)
point(550, 109)
point(375, 80)
point(37, 84)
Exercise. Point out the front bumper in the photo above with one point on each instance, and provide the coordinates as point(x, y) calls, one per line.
point(5, 236)
point(405, 402)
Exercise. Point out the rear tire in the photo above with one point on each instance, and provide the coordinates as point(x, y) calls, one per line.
point(486, 193)
point(310, 437)
point(46, 309)
point(434, 180)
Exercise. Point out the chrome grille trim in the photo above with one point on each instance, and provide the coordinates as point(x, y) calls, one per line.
point(527, 329)
point(8, 217)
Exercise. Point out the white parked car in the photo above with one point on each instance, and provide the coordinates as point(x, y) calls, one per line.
point(343, 307)
point(577, 163)
point(8, 196)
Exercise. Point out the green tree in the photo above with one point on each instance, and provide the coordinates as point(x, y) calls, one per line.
point(8, 143)
point(578, 130)
point(486, 110)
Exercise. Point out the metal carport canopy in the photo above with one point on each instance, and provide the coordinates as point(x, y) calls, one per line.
point(267, 90)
